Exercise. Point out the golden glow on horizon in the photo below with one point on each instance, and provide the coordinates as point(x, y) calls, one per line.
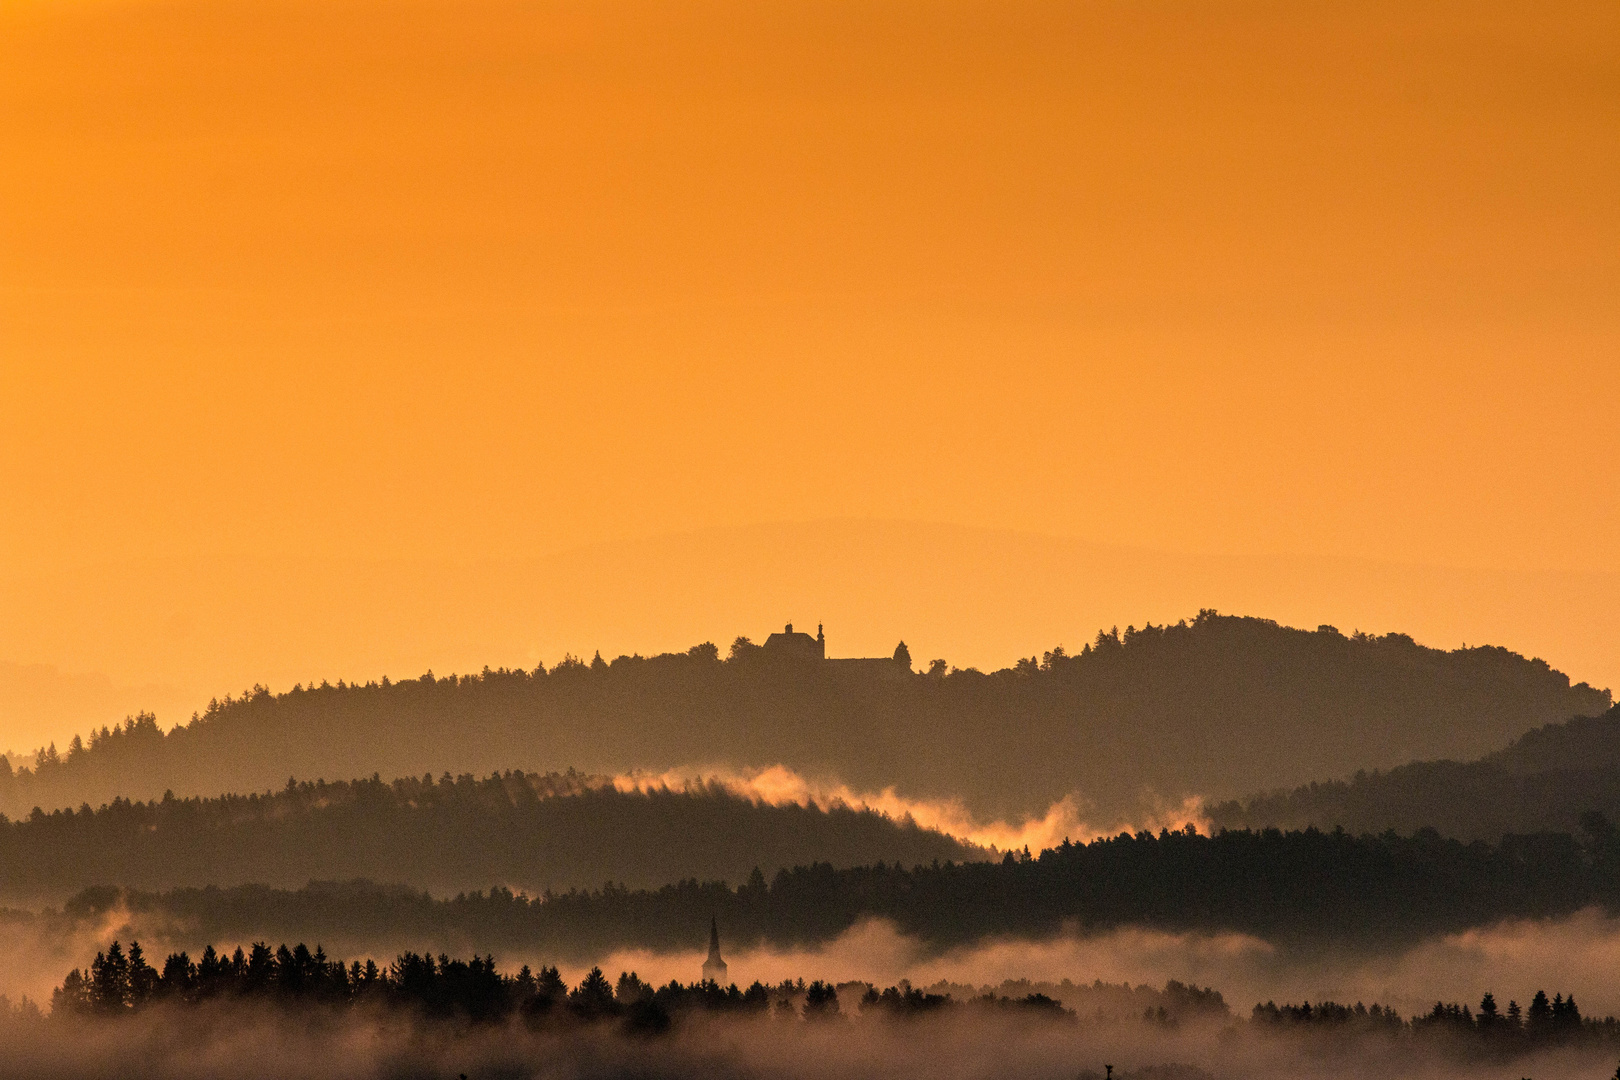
point(435, 283)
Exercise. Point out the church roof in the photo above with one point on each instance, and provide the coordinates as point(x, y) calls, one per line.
point(780, 638)
point(790, 637)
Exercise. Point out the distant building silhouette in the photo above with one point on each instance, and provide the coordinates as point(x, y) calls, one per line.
point(791, 645)
point(796, 645)
point(714, 968)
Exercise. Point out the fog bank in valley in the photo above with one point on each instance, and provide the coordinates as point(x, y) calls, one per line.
point(1577, 956)
point(231, 1042)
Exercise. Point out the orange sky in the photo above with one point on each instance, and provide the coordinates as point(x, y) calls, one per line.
point(445, 286)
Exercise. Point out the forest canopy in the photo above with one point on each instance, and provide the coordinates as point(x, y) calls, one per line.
point(526, 830)
point(1304, 890)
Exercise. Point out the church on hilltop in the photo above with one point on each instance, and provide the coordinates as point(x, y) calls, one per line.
point(796, 646)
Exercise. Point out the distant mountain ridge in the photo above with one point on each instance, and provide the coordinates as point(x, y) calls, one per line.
point(1217, 707)
point(1547, 780)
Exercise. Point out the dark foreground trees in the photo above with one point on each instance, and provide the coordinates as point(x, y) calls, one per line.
point(1543, 1023)
point(120, 983)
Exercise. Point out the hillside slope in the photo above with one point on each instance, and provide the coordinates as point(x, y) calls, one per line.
point(1218, 707)
point(1301, 891)
point(523, 831)
point(1546, 780)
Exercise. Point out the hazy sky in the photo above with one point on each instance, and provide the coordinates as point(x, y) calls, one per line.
point(437, 283)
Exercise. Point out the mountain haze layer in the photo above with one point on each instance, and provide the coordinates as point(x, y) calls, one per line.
point(1215, 707)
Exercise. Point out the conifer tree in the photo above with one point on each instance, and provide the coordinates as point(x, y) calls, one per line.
point(109, 980)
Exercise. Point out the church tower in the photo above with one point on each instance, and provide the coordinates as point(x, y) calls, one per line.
point(714, 968)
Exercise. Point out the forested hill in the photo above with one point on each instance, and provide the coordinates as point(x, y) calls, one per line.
point(1219, 706)
point(1300, 891)
point(1545, 781)
point(532, 832)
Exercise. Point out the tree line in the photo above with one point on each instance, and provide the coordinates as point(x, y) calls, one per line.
point(1250, 704)
point(1545, 1021)
point(1304, 888)
point(528, 830)
point(119, 983)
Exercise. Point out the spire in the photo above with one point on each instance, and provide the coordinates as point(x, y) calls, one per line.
point(714, 968)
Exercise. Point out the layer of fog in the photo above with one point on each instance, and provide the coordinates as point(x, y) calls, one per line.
point(235, 1041)
point(1576, 955)
point(1069, 818)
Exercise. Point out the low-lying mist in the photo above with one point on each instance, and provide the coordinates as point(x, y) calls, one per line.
point(230, 1041)
point(1072, 817)
point(1577, 956)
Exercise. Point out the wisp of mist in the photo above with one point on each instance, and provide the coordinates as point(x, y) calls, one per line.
point(1064, 819)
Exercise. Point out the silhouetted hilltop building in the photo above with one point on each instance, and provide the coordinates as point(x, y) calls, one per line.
point(791, 645)
point(798, 646)
point(714, 968)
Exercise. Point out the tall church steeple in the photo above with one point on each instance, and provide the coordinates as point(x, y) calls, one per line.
point(714, 968)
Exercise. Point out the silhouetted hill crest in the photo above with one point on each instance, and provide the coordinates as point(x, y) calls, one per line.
point(1244, 704)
